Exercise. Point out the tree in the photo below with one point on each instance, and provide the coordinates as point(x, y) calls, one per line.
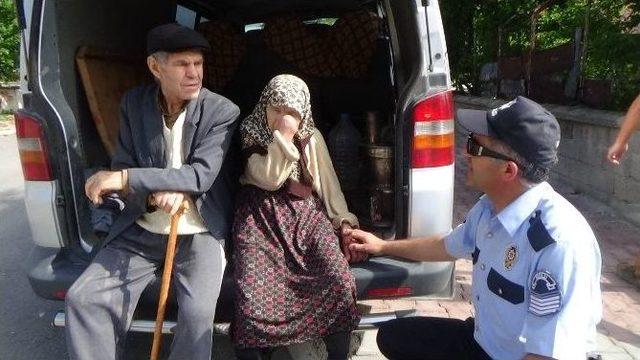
point(613, 52)
point(9, 41)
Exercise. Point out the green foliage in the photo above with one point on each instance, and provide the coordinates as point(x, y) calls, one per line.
point(9, 41)
point(613, 53)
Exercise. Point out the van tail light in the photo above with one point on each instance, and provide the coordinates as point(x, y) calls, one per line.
point(433, 131)
point(32, 147)
point(60, 294)
point(390, 292)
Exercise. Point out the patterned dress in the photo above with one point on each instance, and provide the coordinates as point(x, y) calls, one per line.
point(293, 283)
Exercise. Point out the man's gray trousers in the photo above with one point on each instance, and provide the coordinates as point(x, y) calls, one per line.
point(100, 304)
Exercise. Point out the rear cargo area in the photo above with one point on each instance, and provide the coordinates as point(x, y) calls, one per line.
point(344, 56)
point(362, 61)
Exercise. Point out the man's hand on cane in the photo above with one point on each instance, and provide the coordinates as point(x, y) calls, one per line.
point(169, 201)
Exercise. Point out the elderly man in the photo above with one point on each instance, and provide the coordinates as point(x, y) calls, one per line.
point(173, 138)
point(536, 261)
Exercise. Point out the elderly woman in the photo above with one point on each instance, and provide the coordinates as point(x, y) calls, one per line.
point(293, 282)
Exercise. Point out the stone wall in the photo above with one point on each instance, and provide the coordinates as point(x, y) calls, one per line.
point(586, 136)
point(10, 99)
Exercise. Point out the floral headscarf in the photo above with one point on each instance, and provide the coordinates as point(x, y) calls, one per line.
point(282, 90)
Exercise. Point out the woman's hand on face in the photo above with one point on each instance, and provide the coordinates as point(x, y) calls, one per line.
point(284, 119)
point(288, 125)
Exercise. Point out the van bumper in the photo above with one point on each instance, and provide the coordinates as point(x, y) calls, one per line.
point(53, 272)
point(380, 276)
point(367, 321)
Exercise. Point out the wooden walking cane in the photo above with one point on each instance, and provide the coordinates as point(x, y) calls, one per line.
point(166, 280)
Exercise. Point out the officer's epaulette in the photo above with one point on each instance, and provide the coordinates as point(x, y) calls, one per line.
point(538, 235)
point(474, 255)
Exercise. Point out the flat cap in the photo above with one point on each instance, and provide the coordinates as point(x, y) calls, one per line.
point(173, 37)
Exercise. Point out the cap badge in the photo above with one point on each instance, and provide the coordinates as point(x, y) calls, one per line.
point(502, 107)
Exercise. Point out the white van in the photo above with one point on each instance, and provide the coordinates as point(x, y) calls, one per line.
point(404, 79)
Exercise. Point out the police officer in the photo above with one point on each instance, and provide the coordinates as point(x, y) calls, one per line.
point(536, 261)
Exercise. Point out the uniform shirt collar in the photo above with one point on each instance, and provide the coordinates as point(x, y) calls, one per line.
point(512, 216)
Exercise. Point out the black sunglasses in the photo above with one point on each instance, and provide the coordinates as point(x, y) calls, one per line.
point(475, 149)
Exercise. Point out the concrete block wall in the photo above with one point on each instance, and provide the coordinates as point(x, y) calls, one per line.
point(586, 136)
point(10, 99)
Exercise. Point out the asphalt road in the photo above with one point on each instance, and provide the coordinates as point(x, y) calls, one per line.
point(25, 330)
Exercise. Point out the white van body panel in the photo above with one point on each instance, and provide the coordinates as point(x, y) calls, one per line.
point(431, 201)
point(39, 200)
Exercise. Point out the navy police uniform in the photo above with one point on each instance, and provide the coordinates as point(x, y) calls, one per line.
point(535, 286)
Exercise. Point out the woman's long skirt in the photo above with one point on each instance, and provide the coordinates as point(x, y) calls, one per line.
point(293, 283)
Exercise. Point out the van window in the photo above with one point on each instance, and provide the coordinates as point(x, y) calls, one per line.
point(318, 21)
point(321, 21)
point(185, 17)
point(253, 27)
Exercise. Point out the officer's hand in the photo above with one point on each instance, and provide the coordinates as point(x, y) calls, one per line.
point(366, 242)
point(352, 256)
point(168, 201)
point(616, 151)
point(101, 183)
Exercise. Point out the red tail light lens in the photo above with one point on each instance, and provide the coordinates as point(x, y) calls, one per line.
point(33, 149)
point(433, 131)
point(390, 292)
point(60, 294)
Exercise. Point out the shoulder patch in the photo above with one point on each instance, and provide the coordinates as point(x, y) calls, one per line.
point(538, 235)
point(545, 297)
